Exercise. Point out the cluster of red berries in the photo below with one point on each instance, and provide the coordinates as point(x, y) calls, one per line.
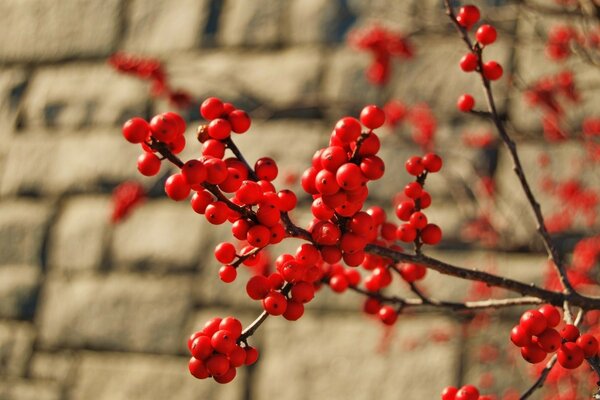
point(485, 35)
point(536, 337)
point(417, 228)
point(152, 70)
point(420, 118)
point(216, 352)
point(467, 392)
point(384, 45)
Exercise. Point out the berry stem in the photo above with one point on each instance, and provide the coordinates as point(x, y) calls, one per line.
point(250, 329)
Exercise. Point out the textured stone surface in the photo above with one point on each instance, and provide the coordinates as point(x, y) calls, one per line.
point(22, 229)
point(82, 94)
point(118, 312)
point(12, 84)
point(16, 341)
point(18, 290)
point(319, 21)
point(120, 376)
point(29, 390)
point(150, 25)
point(161, 233)
point(55, 164)
point(57, 366)
point(80, 234)
point(252, 23)
point(36, 30)
point(349, 366)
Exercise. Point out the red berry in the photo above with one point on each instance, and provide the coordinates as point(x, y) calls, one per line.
point(520, 337)
point(194, 172)
point(414, 166)
point(469, 62)
point(226, 377)
point(214, 148)
point(148, 164)
point(431, 234)
point(237, 357)
point(177, 188)
point(251, 355)
point(136, 130)
point(302, 292)
point(347, 129)
point(338, 283)
point(349, 176)
point(216, 213)
point(589, 345)
point(405, 209)
point(231, 325)
point(227, 273)
point(534, 322)
point(570, 356)
point(467, 392)
point(570, 333)
point(449, 393)
point(287, 200)
point(197, 368)
point(275, 303)
point(465, 103)
point(293, 311)
point(551, 314)
point(372, 167)
point(413, 190)
point(249, 193)
point(468, 16)
point(239, 120)
point(219, 129)
point(211, 326)
point(492, 70)
point(388, 315)
point(222, 341)
point(549, 340)
point(258, 236)
point(200, 201)
point(266, 169)
point(211, 108)
point(164, 128)
point(258, 287)
point(486, 34)
point(406, 233)
point(372, 117)
point(432, 162)
point(533, 354)
point(225, 253)
point(217, 364)
point(201, 347)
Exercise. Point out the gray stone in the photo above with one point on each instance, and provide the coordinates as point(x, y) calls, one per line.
point(161, 234)
point(80, 234)
point(121, 377)
point(16, 343)
point(150, 25)
point(117, 312)
point(35, 30)
point(82, 94)
point(18, 290)
point(335, 357)
point(251, 23)
point(319, 21)
point(22, 229)
point(29, 390)
point(55, 164)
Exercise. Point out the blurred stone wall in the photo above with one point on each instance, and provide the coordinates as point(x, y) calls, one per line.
point(91, 310)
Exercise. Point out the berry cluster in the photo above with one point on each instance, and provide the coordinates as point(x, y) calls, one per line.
point(420, 118)
point(467, 392)
point(152, 70)
point(125, 197)
point(485, 35)
point(384, 45)
point(216, 350)
point(536, 337)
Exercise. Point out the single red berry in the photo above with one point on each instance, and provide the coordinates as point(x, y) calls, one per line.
point(534, 322)
point(533, 354)
point(136, 130)
point(240, 121)
point(231, 325)
point(405, 209)
point(200, 201)
point(520, 337)
point(219, 129)
point(227, 273)
point(347, 129)
point(486, 34)
point(237, 357)
point(372, 306)
point(424, 200)
point(302, 292)
point(549, 340)
point(570, 356)
point(201, 347)
point(258, 287)
point(217, 364)
point(551, 314)
point(216, 213)
point(176, 187)
point(211, 108)
point(211, 326)
point(275, 303)
point(226, 377)
point(465, 103)
point(449, 393)
point(388, 315)
point(194, 172)
point(406, 233)
point(432, 162)
point(251, 355)
point(258, 236)
point(372, 167)
point(468, 16)
point(216, 170)
point(164, 128)
point(293, 311)
point(338, 283)
point(431, 234)
point(177, 145)
point(570, 333)
point(349, 176)
point(418, 220)
point(372, 117)
point(198, 369)
point(266, 169)
point(287, 200)
point(148, 164)
point(414, 166)
point(589, 345)
point(469, 62)
point(492, 70)
point(467, 392)
point(413, 190)
point(222, 341)
point(225, 253)
point(214, 148)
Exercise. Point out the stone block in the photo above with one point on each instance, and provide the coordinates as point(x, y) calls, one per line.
point(23, 226)
point(19, 286)
point(29, 390)
point(319, 21)
point(252, 23)
point(16, 343)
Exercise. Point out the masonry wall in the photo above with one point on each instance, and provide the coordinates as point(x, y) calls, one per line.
point(91, 310)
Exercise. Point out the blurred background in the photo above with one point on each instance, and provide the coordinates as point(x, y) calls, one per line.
point(92, 308)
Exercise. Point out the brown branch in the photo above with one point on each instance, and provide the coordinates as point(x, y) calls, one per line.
point(250, 329)
point(512, 148)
